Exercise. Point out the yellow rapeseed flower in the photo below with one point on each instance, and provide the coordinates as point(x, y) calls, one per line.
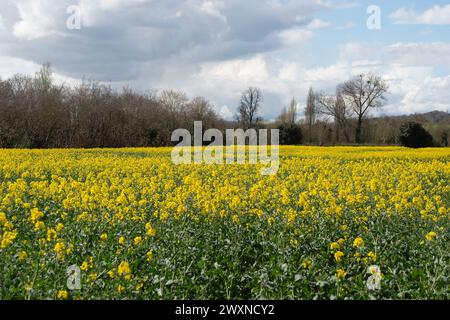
point(84, 266)
point(36, 214)
point(431, 236)
point(22, 256)
point(124, 270)
point(112, 273)
point(137, 240)
point(149, 256)
point(150, 231)
point(358, 242)
point(338, 256)
point(372, 256)
point(8, 239)
point(3, 218)
point(51, 234)
point(62, 294)
point(335, 246)
point(39, 226)
point(335, 194)
point(306, 264)
point(341, 274)
point(60, 249)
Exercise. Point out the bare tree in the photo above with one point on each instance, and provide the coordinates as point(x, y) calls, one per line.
point(37, 113)
point(335, 108)
point(249, 107)
point(292, 111)
point(174, 101)
point(283, 117)
point(364, 92)
point(310, 113)
point(289, 114)
point(43, 78)
point(200, 109)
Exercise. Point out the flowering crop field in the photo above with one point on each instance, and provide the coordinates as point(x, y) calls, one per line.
point(334, 223)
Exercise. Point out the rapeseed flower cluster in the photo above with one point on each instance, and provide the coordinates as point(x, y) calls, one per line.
point(139, 226)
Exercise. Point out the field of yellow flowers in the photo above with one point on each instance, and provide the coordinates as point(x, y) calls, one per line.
point(334, 223)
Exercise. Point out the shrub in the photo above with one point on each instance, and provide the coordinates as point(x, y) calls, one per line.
point(414, 135)
point(290, 134)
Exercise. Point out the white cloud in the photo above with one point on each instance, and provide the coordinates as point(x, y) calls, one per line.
point(217, 48)
point(433, 93)
point(408, 68)
point(37, 19)
point(213, 8)
point(295, 36)
point(413, 86)
point(253, 70)
point(333, 74)
point(2, 24)
point(289, 71)
point(102, 12)
point(119, 38)
point(115, 5)
point(434, 53)
point(11, 66)
point(437, 15)
point(318, 24)
point(226, 113)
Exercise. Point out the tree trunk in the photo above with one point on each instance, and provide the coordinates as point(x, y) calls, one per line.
point(338, 131)
point(310, 133)
point(358, 131)
point(346, 135)
point(343, 127)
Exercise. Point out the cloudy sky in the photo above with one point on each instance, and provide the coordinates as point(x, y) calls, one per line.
point(217, 48)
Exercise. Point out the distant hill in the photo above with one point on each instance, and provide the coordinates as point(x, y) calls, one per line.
point(385, 129)
point(429, 118)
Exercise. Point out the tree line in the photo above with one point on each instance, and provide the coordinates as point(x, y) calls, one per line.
point(37, 113)
point(344, 118)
